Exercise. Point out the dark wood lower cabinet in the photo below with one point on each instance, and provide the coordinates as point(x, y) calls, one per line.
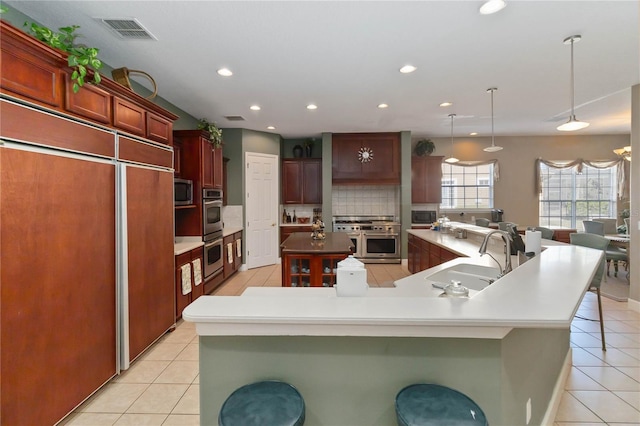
point(423, 255)
point(57, 301)
point(189, 258)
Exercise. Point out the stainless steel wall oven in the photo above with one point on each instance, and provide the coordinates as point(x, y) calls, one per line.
point(213, 261)
point(211, 211)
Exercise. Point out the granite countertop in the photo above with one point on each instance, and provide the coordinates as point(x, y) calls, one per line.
point(301, 242)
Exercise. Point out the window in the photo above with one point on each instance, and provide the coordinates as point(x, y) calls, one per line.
point(569, 197)
point(467, 187)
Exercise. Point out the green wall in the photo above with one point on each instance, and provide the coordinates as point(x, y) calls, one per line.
point(350, 380)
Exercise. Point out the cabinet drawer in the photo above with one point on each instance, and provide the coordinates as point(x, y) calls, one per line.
point(129, 117)
point(159, 129)
point(29, 75)
point(140, 152)
point(27, 124)
point(90, 102)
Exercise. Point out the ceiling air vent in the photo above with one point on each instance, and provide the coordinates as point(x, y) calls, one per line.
point(234, 117)
point(128, 29)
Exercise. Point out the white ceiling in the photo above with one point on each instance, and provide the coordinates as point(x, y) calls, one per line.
point(344, 56)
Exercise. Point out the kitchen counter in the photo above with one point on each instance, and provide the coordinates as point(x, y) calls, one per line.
point(506, 347)
point(230, 230)
point(185, 244)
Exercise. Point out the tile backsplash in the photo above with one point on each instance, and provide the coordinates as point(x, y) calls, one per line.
point(381, 200)
point(232, 216)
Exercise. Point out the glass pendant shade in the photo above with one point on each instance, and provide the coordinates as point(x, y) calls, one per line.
point(451, 159)
point(493, 147)
point(573, 124)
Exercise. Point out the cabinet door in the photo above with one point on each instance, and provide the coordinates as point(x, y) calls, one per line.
point(58, 292)
point(182, 300)
point(345, 164)
point(207, 164)
point(312, 181)
point(150, 255)
point(291, 182)
point(177, 158)
point(198, 290)
point(238, 250)
point(218, 175)
point(228, 257)
point(426, 179)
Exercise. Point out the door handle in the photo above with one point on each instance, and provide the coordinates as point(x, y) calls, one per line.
point(273, 224)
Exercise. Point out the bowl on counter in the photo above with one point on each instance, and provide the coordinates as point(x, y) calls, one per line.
point(303, 219)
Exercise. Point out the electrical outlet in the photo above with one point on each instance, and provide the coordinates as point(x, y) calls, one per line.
point(528, 410)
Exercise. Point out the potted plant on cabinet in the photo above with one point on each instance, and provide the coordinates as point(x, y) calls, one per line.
point(308, 147)
point(215, 134)
point(80, 58)
point(424, 147)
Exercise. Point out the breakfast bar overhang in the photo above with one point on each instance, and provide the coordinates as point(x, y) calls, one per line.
point(505, 346)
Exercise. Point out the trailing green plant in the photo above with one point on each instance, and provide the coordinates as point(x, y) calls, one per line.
point(215, 134)
point(80, 57)
point(424, 147)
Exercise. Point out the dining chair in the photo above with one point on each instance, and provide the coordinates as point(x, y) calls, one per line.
point(627, 223)
point(610, 225)
point(593, 227)
point(481, 221)
point(600, 243)
point(504, 226)
point(614, 254)
point(547, 233)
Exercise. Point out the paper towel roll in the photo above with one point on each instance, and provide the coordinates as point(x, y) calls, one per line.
point(533, 242)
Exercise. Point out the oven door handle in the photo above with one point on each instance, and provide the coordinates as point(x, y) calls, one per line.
point(380, 234)
point(213, 243)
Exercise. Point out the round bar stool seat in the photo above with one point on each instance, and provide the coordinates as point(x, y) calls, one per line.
point(269, 402)
point(428, 404)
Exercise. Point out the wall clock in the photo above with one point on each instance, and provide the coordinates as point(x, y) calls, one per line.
point(365, 154)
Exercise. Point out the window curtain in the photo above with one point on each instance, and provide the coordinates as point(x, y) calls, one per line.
point(496, 166)
point(623, 188)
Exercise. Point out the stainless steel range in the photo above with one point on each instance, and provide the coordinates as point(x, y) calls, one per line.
point(376, 238)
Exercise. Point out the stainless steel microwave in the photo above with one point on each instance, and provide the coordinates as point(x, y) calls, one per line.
point(423, 216)
point(183, 192)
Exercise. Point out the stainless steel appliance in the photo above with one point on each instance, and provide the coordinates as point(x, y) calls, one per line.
point(377, 238)
point(496, 215)
point(182, 192)
point(423, 216)
point(211, 211)
point(213, 261)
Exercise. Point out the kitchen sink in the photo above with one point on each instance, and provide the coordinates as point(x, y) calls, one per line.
point(474, 277)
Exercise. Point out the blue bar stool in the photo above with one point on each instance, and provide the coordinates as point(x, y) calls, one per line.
point(269, 402)
point(428, 404)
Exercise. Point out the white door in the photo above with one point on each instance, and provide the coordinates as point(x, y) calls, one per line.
point(261, 227)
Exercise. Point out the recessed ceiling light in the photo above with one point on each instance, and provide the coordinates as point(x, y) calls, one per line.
point(225, 72)
point(271, 128)
point(254, 108)
point(446, 104)
point(473, 133)
point(492, 6)
point(383, 106)
point(407, 69)
point(312, 106)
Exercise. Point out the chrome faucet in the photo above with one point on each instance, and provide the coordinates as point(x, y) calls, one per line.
point(507, 241)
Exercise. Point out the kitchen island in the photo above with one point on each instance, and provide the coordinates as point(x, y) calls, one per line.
point(506, 346)
point(307, 262)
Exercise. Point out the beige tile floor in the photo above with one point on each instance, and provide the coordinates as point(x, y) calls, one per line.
point(161, 388)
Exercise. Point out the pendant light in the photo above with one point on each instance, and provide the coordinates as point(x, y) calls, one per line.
point(451, 159)
point(573, 123)
point(493, 147)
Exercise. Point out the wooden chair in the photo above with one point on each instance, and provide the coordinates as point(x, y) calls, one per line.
point(600, 243)
point(504, 226)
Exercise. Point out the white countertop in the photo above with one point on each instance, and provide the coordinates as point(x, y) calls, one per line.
point(544, 292)
point(185, 244)
point(230, 230)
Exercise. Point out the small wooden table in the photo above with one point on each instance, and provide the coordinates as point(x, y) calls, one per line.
point(312, 263)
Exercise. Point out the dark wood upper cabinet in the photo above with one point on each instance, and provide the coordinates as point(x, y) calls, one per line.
point(349, 166)
point(426, 179)
point(302, 181)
